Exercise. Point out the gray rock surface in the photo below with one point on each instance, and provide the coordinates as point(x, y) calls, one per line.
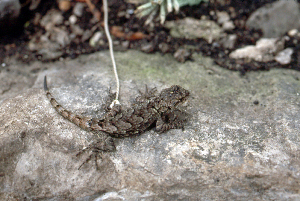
point(241, 143)
point(276, 19)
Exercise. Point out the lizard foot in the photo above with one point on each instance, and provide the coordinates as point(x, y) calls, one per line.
point(103, 144)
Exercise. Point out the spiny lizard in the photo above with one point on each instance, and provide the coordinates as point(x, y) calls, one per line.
point(148, 110)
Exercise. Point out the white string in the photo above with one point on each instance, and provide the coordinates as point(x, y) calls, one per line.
point(105, 7)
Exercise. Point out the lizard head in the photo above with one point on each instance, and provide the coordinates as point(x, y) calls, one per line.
point(174, 95)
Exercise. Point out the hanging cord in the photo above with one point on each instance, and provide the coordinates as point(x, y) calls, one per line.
point(105, 7)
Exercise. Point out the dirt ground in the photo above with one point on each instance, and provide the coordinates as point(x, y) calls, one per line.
point(131, 33)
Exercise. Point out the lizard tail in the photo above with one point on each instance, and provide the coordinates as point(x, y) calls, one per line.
point(82, 122)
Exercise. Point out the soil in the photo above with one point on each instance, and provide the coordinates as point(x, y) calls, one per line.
point(14, 44)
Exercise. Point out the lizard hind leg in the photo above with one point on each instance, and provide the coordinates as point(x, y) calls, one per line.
point(92, 155)
point(103, 143)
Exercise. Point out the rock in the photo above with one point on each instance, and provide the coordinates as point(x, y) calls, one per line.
point(87, 34)
point(229, 41)
point(77, 30)
point(50, 44)
point(64, 5)
point(164, 47)
point(223, 17)
point(95, 39)
point(125, 44)
point(147, 47)
point(48, 49)
point(60, 36)
point(241, 141)
point(72, 19)
point(228, 26)
point(9, 9)
point(276, 19)
point(293, 32)
point(264, 50)
point(182, 54)
point(224, 20)
point(191, 28)
point(285, 56)
point(9, 13)
point(53, 17)
point(34, 4)
point(78, 9)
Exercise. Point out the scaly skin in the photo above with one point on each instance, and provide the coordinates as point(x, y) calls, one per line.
point(147, 110)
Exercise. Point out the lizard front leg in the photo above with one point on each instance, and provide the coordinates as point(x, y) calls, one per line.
point(170, 120)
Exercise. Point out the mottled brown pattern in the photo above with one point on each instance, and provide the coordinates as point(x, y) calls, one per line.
point(148, 110)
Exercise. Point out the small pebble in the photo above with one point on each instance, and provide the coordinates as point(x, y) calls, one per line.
point(182, 55)
point(87, 34)
point(293, 32)
point(78, 9)
point(228, 26)
point(72, 19)
point(147, 47)
point(95, 39)
point(125, 44)
point(77, 30)
point(64, 5)
point(164, 47)
point(223, 17)
point(285, 56)
point(130, 11)
point(229, 41)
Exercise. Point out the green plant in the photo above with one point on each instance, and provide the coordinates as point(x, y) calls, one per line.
point(164, 7)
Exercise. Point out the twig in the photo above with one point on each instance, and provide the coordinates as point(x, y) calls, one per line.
point(93, 9)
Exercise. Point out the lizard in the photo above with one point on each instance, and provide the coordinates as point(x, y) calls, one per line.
point(149, 109)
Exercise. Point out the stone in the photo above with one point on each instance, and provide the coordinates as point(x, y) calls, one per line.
point(9, 13)
point(224, 20)
point(223, 17)
point(95, 39)
point(191, 28)
point(77, 30)
point(264, 50)
point(34, 4)
point(164, 47)
point(293, 32)
point(275, 19)
point(229, 41)
point(228, 26)
point(241, 141)
point(60, 36)
point(285, 56)
point(72, 19)
point(87, 34)
point(78, 9)
point(9, 9)
point(182, 54)
point(45, 47)
point(52, 18)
